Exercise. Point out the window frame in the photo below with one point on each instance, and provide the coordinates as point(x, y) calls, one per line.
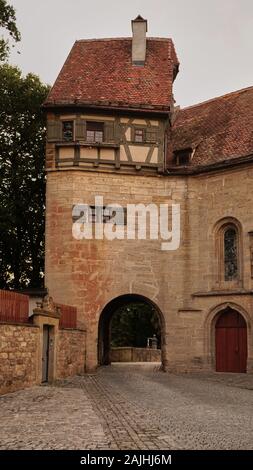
point(94, 142)
point(64, 121)
point(221, 228)
point(143, 131)
point(183, 153)
point(233, 229)
point(106, 218)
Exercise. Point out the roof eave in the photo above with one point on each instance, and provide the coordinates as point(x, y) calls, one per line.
point(139, 108)
point(209, 167)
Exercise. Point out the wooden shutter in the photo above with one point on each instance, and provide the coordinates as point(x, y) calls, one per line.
point(151, 134)
point(80, 129)
point(109, 131)
point(54, 131)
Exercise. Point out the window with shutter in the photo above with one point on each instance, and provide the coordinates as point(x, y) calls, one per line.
point(151, 135)
point(139, 135)
point(80, 129)
point(94, 131)
point(144, 134)
point(54, 131)
point(109, 129)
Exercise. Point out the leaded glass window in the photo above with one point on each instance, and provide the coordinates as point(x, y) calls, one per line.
point(230, 254)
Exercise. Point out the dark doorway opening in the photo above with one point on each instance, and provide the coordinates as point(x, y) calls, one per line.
point(45, 353)
point(231, 342)
point(129, 320)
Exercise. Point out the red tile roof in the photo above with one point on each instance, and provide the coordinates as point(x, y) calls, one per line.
point(100, 72)
point(217, 130)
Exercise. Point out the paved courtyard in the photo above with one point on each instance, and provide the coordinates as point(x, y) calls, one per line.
point(131, 407)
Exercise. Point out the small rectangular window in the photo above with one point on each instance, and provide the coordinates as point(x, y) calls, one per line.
point(183, 157)
point(95, 132)
point(101, 214)
point(105, 214)
point(68, 131)
point(139, 135)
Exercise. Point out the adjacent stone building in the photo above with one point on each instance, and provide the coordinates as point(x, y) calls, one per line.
point(37, 348)
point(114, 132)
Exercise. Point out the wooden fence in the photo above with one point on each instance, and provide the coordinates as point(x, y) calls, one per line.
point(14, 308)
point(68, 318)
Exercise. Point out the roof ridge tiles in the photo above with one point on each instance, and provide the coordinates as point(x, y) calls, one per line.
point(235, 92)
point(128, 38)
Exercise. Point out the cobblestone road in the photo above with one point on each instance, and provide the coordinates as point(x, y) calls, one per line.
point(131, 407)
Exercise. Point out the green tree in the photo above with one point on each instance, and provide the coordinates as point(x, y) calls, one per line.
point(8, 23)
point(133, 323)
point(22, 178)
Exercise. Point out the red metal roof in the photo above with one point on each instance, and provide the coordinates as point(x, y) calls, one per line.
point(100, 72)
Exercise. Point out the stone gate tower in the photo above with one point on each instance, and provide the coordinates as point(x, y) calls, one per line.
point(109, 134)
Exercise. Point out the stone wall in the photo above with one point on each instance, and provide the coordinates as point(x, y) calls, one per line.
point(18, 356)
point(70, 353)
point(89, 274)
point(127, 354)
point(21, 355)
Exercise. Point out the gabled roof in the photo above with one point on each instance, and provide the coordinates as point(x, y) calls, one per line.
point(217, 130)
point(100, 72)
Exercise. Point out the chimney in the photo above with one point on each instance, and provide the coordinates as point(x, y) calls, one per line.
point(139, 28)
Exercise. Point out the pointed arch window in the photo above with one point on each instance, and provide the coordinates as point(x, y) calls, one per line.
point(230, 254)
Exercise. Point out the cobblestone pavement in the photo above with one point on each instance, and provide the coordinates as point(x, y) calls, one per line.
point(131, 407)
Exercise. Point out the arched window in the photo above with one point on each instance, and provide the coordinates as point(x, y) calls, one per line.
point(230, 254)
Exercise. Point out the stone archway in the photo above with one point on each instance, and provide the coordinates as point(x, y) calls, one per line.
point(106, 318)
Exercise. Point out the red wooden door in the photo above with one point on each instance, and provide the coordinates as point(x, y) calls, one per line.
point(231, 342)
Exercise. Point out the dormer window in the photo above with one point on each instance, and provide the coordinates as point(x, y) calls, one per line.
point(95, 131)
point(183, 157)
point(68, 131)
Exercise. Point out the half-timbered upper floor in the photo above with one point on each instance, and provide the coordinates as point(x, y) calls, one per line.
point(111, 105)
point(112, 109)
point(106, 142)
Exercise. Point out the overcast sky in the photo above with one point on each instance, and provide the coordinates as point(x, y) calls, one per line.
point(213, 38)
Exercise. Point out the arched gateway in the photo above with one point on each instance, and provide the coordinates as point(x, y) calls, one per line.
point(231, 342)
point(119, 144)
point(104, 326)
